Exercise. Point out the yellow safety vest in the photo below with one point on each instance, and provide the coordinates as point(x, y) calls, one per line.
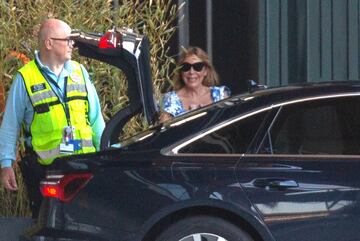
point(50, 117)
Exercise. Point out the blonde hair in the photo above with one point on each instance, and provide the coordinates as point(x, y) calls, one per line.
point(210, 79)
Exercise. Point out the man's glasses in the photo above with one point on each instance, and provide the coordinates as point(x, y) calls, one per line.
point(197, 66)
point(70, 42)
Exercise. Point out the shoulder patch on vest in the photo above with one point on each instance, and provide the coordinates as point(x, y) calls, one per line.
point(38, 87)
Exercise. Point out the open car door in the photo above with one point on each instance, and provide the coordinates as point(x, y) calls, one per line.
point(130, 53)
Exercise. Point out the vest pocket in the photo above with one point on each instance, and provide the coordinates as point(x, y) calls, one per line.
point(46, 142)
point(42, 123)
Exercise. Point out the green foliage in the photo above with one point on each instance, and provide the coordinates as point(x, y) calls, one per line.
point(19, 23)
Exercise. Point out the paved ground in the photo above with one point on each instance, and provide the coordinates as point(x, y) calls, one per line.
point(11, 228)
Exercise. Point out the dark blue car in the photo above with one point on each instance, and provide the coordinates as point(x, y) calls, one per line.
point(280, 164)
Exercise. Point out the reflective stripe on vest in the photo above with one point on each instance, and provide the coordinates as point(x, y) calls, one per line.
point(50, 119)
point(38, 97)
point(45, 155)
point(42, 96)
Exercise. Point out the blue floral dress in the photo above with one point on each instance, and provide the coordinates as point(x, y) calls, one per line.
point(172, 104)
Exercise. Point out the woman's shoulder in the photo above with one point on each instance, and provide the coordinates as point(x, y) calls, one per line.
point(171, 95)
point(219, 92)
point(220, 88)
point(172, 104)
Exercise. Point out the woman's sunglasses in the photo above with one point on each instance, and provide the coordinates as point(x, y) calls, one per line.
point(197, 66)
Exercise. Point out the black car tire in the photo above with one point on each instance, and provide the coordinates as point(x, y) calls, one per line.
point(207, 227)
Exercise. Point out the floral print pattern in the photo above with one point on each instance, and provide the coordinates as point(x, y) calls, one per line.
point(173, 105)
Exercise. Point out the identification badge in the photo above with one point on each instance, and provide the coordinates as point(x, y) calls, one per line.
point(38, 87)
point(68, 134)
point(67, 144)
point(66, 148)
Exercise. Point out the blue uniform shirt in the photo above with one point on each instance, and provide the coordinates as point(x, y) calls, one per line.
point(20, 111)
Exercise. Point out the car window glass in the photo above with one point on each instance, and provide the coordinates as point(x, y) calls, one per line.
point(316, 127)
point(231, 139)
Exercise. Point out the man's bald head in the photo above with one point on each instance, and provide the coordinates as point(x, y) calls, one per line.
point(52, 28)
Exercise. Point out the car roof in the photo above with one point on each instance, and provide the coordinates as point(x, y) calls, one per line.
point(308, 89)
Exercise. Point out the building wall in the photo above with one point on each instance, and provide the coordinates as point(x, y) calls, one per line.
point(276, 42)
point(308, 41)
point(235, 42)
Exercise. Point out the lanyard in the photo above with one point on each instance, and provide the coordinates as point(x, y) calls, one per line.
point(65, 99)
point(66, 105)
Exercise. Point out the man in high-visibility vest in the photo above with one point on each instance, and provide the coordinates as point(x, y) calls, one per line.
point(54, 101)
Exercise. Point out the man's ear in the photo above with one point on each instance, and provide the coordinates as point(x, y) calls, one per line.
point(48, 43)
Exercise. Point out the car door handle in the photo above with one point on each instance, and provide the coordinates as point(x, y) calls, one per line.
point(278, 183)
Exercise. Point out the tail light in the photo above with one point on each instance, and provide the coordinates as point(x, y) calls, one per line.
point(64, 187)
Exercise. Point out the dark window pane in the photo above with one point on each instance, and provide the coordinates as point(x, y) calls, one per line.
point(317, 127)
point(234, 138)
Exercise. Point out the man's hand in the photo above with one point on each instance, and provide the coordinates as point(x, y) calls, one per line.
point(8, 179)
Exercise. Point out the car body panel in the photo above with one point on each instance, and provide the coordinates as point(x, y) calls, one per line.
point(324, 206)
